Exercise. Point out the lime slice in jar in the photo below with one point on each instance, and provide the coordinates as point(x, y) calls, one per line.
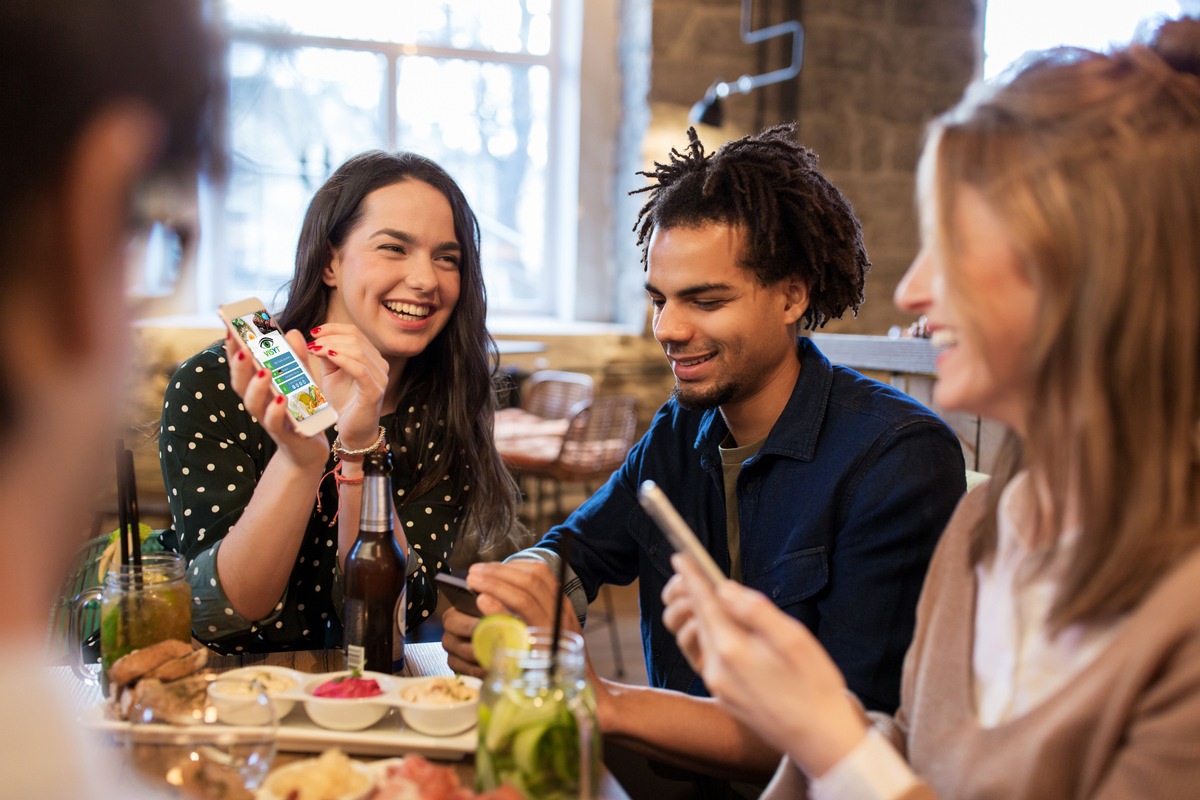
point(498, 630)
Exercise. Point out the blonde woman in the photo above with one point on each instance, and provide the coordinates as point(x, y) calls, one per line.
point(1057, 652)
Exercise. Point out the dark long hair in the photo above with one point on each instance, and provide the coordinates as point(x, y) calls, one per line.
point(452, 377)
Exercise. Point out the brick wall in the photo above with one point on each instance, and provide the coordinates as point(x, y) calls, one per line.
point(873, 72)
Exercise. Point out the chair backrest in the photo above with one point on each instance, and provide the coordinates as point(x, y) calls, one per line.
point(598, 437)
point(553, 394)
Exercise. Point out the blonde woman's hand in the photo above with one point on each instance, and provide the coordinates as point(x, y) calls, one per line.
point(354, 377)
point(253, 384)
point(766, 668)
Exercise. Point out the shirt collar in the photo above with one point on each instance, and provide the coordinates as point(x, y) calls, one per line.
point(798, 428)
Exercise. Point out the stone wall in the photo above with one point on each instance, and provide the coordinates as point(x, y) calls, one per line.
point(874, 71)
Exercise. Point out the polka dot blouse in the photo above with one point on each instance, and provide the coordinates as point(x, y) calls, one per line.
point(212, 454)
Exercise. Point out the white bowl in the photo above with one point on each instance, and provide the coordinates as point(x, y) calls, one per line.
point(305, 771)
point(349, 713)
point(439, 719)
point(232, 689)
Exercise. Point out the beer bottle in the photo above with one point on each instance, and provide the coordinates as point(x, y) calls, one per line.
point(375, 574)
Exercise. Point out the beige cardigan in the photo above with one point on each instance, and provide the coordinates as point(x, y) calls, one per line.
point(1128, 726)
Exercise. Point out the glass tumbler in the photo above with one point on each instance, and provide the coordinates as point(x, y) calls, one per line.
point(139, 606)
point(537, 729)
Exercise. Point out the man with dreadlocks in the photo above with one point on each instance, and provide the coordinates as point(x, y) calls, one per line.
point(823, 489)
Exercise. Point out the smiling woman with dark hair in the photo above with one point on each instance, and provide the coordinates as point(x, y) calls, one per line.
point(388, 302)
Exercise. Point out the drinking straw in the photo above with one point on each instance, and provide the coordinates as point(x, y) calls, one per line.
point(564, 550)
point(135, 526)
point(122, 506)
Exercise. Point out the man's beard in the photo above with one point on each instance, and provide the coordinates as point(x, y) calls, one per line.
point(703, 400)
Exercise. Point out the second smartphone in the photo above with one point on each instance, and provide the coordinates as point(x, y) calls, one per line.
point(250, 322)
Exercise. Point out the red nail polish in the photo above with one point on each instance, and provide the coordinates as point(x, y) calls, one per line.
point(333, 352)
point(314, 346)
point(261, 373)
point(241, 356)
point(278, 399)
point(315, 331)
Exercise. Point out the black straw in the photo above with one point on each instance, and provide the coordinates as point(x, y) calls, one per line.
point(122, 506)
point(564, 552)
point(135, 522)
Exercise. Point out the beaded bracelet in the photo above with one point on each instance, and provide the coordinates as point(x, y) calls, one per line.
point(340, 452)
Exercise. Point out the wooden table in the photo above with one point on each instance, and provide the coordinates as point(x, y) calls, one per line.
point(421, 660)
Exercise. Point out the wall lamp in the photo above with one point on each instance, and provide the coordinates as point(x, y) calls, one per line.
point(708, 111)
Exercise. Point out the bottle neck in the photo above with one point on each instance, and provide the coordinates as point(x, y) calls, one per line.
point(376, 516)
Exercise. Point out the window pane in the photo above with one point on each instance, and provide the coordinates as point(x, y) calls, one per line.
point(502, 26)
point(1008, 33)
point(295, 116)
point(488, 125)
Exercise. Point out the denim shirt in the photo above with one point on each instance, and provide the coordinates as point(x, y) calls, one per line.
point(839, 513)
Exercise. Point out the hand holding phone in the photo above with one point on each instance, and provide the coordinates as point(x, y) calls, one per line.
point(249, 321)
point(681, 537)
point(458, 593)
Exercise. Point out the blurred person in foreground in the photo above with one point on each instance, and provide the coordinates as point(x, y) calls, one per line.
point(803, 479)
point(1057, 651)
point(99, 98)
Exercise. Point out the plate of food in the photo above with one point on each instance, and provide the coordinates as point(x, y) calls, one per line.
point(334, 776)
point(360, 714)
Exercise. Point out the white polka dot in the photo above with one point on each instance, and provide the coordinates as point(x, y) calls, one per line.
point(221, 386)
point(239, 468)
point(199, 435)
point(446, 498)
point(196, 571)
point(199, 488)
point(191, 445)
point(239, 648)
point(212, 628)
point(186, 471)
point(433, 536)
point(242, 436)
point(199, 395)
point(199, 369)
point(428, 510)
point(279, 624)
point(300, 606)
point(215, 509)
point(187, 512)
point(176, 384)
point(169, 449)
point(230, 488)
point(183, 409)
point(174, 492)
point(229, 612)
point(211, 467)
point(212, 417)
point(171, 428)
point(408, 524)
point(317, 589)
point(304, 632)
point(212, 581)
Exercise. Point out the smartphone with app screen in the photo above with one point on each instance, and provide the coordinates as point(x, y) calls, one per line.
point(678, 533)
point(458, 593)
point(249, 321)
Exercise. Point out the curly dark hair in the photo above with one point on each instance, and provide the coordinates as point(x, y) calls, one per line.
point(797, 223)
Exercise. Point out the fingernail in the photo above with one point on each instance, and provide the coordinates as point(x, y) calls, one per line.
point(314, 346)
point(262, 373)
point(333, 352)
point(278, 399)
point(315, 331)
point(241, 356)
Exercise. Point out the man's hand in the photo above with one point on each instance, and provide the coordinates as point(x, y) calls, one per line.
point(527, 589)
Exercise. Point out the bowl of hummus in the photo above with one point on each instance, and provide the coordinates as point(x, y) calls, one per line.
point(442, 706)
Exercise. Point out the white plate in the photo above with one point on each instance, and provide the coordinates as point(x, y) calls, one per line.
point(299, 734)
